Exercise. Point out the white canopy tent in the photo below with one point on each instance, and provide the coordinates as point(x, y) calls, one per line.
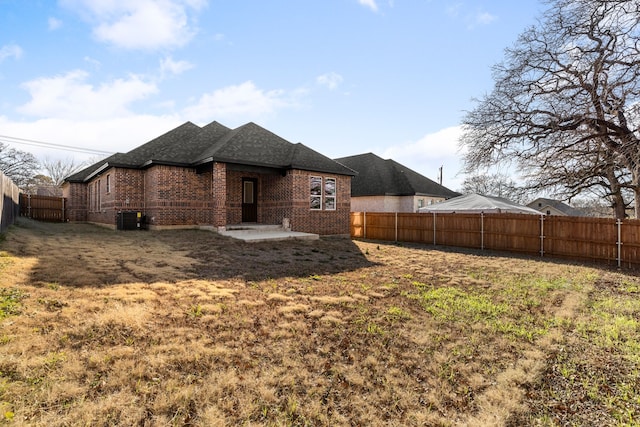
point(476, 203)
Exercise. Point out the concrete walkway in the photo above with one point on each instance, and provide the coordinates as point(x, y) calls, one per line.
point(264, 233)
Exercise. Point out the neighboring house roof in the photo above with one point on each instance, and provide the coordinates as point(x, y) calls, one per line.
point(541, 204)
point(476, 203)
point(377, 176)
point(190, 145)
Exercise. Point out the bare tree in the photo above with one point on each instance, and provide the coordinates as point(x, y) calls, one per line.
point(42, 185)
point(565, 106)
point(58, 170)
point(497, 185)
point(19, 166)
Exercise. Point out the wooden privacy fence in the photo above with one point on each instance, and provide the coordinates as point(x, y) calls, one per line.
point(9, 203)
point(42, 208)
point(579, 238)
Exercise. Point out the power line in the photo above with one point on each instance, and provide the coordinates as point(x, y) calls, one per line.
point(32, 142)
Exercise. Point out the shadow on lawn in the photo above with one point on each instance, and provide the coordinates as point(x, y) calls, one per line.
point(88, 255)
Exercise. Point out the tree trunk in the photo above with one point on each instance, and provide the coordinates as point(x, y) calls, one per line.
point(618, 206)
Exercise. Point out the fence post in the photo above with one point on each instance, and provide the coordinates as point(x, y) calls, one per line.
point(434, 228)
point(28, 205)
point(63, 200)
point(541, 235)
point(619, 243)
point(481, 231)
point(364, 222)
point(396, 226)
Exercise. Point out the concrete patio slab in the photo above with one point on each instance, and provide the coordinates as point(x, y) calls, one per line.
point(264, 233)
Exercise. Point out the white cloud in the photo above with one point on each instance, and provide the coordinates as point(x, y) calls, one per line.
point(371, 4)
point(54, 23)
point(10, 50)
point(471, 19)
point(427, 154)
point(331, 80)
point(244, 101)
point(69, 96)
point(484, 18)
point(93, 62)
point(140, 24)
point(106, 134)
point(169, 66)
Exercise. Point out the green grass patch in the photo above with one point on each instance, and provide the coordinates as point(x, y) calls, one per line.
point(612, 323)
point(10, 302)
point(515, 305)
point(453, 304)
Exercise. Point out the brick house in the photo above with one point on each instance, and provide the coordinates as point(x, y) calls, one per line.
point(388, 186)
point(213, 176)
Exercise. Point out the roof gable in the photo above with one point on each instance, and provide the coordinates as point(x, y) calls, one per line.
point(89, 171)
point(377, 177)
point(542, 203)
point(168, 146)
point(250, 144)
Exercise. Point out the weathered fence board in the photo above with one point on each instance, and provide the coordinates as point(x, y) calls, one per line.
point(9, 202)
point(42, 208)
point(512, 232)
point(587, 239)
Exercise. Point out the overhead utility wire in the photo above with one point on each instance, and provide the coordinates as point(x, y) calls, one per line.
point(14, 140)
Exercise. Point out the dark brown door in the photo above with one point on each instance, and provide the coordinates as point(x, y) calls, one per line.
point(249, 200)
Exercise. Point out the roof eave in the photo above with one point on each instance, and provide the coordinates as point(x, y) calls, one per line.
point(152, 162)
point(321, 170)
point(97, 172)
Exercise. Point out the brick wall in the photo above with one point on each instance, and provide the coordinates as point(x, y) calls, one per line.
point(178, 196)
point(105, 195)
point(288, 196)
point(100, 202)
point(76, 201)
point(219, 194)
point(128, 187)
point(323, 222)
point(276, 198)
point(234, 195)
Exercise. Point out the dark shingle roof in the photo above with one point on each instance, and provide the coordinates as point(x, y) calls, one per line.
point(89, 171)
point(250, 144)
point(189, 145)
point(165, 147)
point(377, 177)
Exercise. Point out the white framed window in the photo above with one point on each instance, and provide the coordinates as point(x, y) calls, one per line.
point(330, 190)
point(315, 190)
point(108, 184)
point(322, 193)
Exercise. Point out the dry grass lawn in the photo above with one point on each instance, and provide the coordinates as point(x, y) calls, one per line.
point(106, 328)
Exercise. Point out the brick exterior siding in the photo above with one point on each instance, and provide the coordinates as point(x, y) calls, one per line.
point(76, 201)
point(320, 221)
point(178, 196)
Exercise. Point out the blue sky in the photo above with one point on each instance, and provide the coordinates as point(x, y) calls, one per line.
point(344, 77)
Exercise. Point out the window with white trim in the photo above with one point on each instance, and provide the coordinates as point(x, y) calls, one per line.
point(315, 190)
point(322, 193)
point(330, 194)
